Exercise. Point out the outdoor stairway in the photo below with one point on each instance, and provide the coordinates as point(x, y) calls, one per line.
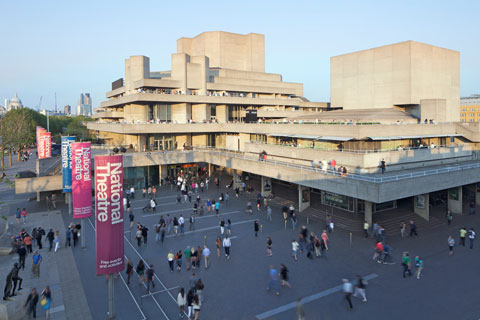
point(391, 222)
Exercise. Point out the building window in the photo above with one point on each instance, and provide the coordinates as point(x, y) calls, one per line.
point(471, 120)
point(464, 109)
point(162, 112)
point(462, 115)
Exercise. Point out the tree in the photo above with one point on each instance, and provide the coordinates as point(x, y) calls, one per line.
point(77, 128)
point(17, 129)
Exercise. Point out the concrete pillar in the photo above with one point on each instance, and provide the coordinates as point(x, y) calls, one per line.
point(477, 194)
point(237, 179)
point(222, 113)
point(38, 197)
point(369, 212)
point(421, 205)
point(266, 185)
point(162, 172)
point(455, 203)
point(181, 112)
point(200, 112)
point(303, 198)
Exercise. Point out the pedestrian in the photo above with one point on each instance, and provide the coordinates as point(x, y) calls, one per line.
point(22, 254)
point(413, 228)
point(46, 300)
point(217, 207)
point(75, 236)
point(196, 303)
point(383, 165)
point(16, 278)
point(229, 227)
point(192, 222)
point(8, 286)
point(284, 275)
point(144, 192)
point(175, 225)
point(144, 230)
point(194, 257)
point(178, 259)
point(206, 255)
point(471, 237)
point(189, 303)
point(181, 222)
point(50, 238)
point(170, 258)
point(31, 303)
point(348, 290)
point(24, 214)
point(68, 237)
point(403, 229)
point(129, 271)
point(378, 251)
point(132, 192)
point(36, 261)
point(28, 242)
point(407, 264)
point(269, 213)
point(249, 207)
point(150, 277)
point(300, 310)
point(325, 238)
point(192, 282)
point(140, 271)
point(181, 301)
point(138, 236)
point(153, 204)
point(269, 246)
point(227, 243)
point(273, 282)
point(54, 200)
point(131, 217)
point(227, 199)
point(218, 242)
point(56, 240)
point(449, 217)
point(463, 233)
point(295, 246)
point(199, 289)
point(451, 244)
point(360, 288)
point(18, 215)
point(294, 220)
point(419, 265)
point(472, 209)
point(188, 256)
point(365, 228)
point(256, 227)
point(222, 226)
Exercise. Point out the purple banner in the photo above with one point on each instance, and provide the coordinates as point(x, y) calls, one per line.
point(81, 180)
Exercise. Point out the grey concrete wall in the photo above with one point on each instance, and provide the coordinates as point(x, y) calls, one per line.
point(45, 166)
point(421, 205)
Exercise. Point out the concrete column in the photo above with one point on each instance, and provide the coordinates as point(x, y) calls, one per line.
point(162, 171)
point(455, 203)
point(181, 112)
point(200, 112)
point(266, 185)
point(368, 212)
point(38, 197)
point(303, 198)
point(421, 205)
point(477, 194)
point(222, 113)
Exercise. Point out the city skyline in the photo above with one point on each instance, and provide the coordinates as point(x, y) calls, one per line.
point(93, 68)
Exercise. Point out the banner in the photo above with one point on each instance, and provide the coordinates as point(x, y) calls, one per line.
point(81, 180)
point(48, 144)
point(67, 163)
point(109, 214)
point(41, 142)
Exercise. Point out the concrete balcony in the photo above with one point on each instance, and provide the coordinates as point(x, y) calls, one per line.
point(108, 114)
point(115, 92)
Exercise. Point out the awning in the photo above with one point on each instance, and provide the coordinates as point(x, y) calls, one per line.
point(305, 136)
point(334, 138)
point(279, 135)
point(425, 136)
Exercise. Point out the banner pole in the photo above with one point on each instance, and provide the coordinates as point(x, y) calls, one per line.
point(70, 204)
point(82, 237)
point(110, 296)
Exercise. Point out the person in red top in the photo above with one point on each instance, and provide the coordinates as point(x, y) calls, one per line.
point(333, 164)
point(378, 250)
point(24, 215)
point(28, 242)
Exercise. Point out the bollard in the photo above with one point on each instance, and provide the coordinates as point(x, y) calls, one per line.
point(308, 221)
point(350, 238)
point(204, 240)
point(285, 224)
point(261, 228)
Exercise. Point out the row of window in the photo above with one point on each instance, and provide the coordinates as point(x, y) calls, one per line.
point(469, 115)
point(470, 120)
point(471, 109)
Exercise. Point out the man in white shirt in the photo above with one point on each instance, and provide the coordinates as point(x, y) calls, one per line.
point(227, 243)
point(471, 236)
point(153, 204)
point(181, 222)
point(348, 290)
point(132, 192)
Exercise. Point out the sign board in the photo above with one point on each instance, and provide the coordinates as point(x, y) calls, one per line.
point(67, 163)
point(81, 180)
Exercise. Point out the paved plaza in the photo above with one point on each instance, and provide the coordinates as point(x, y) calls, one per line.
point(236, 288)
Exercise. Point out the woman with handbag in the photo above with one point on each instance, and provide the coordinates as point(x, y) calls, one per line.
point(46, 300)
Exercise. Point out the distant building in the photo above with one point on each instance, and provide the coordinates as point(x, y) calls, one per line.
point(67, 110)
point(13, 104)
point(470, 108)
point(84, 106)
point(2, 111)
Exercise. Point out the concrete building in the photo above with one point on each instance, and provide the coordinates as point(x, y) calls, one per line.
point(84, 106)
point(421, 79)
point(219, 114)
point(13, 104)
point(470, 108)
point(67, 110)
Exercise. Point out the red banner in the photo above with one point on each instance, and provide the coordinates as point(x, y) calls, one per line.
point(81, 180)
point(109, 214)
point(41, 142)
point(48, 144)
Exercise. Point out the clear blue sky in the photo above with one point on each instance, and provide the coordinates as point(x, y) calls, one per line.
point(69, 47)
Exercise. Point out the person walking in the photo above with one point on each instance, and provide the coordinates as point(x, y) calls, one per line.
point(407, 264)
point(28, 242)
point(227, 243)
point(24, 214)
point(181, 222)
point(131, 218)
point(129, 270)
point(269, 213)
point(256, 227)
point(273, 282)
point(178, 259)
point(293, 217)
point(471, 237)
point(463, 234)
point(181, 301)
point(360, 288)
point(451, 244)
point(365, 228)
point(449, 217)
point(222, 226)
point(56, 240)
point(383, 165)
point(218, 243)
point(46, 300)
point(36, 261)
point(472, 209)
point(140, 271)
point(378, 251)
point(284, 275)
point(206, 255)
point(192, 223)
point(50, 237)
point(18, 215)
point(295, 247)
point(325, 238)
point(68, 237)
point(22, 255)
point(217, 207)
point(199, 289)
point(419, 265)
point(229, 227)
point(413, 228)
point(348, 290)
point(150, 277)
point(40, 234)
point(188, 256)
point(144, 230)
point(31, 303)
point(16, 278)
point(269, 246)
point(170, 258)
point(300, 310)
point(403, 229)
point(189, 303)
